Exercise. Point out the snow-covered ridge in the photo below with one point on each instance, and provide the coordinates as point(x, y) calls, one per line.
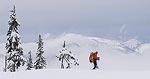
point(77, 40)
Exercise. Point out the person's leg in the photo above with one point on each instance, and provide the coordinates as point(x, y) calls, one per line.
point(95, 64)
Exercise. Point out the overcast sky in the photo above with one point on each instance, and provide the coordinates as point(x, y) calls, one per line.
point(102, 18)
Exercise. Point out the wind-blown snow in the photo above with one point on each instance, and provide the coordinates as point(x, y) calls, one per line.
point(132, 43)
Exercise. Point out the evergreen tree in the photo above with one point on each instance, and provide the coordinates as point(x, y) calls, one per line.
point(64, 45)
point(29, 62)
point(14, 55)
point(67, 58)
point(40, 62)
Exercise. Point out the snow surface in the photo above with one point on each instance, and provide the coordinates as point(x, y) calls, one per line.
point(118, 60)
point(76, 74)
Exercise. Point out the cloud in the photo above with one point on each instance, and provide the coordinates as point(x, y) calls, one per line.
point(49, 36)
point(88, 17)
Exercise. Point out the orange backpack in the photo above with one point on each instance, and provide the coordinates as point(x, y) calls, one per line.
point(91, 58)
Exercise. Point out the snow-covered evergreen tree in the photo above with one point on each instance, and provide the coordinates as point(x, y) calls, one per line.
point(64, 45)
point(66, 58)
point(29, 62)
point(14, 55)
point(40, 62)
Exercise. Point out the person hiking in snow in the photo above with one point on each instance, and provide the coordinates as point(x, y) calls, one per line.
point(93, 59)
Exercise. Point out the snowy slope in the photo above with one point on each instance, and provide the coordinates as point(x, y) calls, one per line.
point(115, 55)
point(76, 74)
